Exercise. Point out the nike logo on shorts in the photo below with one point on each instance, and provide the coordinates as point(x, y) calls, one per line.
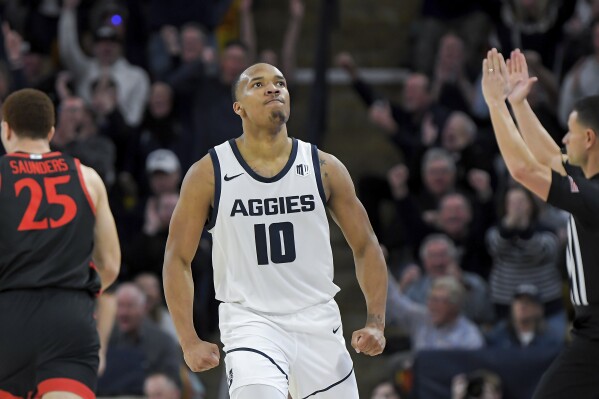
point(227, 178)
point(336, 329)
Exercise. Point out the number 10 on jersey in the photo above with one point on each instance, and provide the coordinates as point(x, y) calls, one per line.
point(280, 239)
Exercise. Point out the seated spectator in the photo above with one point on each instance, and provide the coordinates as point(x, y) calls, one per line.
point(137, 348)
point(439, 259)
point(581, 80)
point(68, 123)
point(160, 128)
point(163, 173)
point(30, 65)
point(204, 98)
point(532, 25)
point(478, 384)
point(385, 390)
point(160, 386)
point(525, 327)
point(460, 138)
point(525, 252)
point(440, 323)
point(410, 125)
point(456, 218)
point(132, 82)
point(436, 18)
point(146, 251)
point(108, 116)
point(94, 149)
point(438, 178)
point(156, 310)
point(452, 86)
point(182, 47)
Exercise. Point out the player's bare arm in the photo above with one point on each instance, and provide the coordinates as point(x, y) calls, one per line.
point(371, 271)
point(105, 315)
point(521, 163)
point(107, 251)
point(540, 143)
point(189, 217)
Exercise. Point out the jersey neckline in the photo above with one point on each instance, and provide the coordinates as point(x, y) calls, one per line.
point(34, 156)
point(255, 175)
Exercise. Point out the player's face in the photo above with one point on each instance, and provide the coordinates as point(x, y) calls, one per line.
point(575, 140)
point(263, 98)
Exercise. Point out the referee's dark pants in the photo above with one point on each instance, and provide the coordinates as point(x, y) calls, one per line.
point(574, 374)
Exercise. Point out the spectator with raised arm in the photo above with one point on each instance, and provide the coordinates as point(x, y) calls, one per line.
point(439, 258)
point(440, 324)
point(287, 59)
point(452, 86)
point(29, 65)
point(132, 82)
point(523, 251)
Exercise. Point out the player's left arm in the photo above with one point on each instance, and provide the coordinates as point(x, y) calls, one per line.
point(107, 251)
point(371, 271)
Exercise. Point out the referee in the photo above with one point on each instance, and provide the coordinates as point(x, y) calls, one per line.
point(568, 182)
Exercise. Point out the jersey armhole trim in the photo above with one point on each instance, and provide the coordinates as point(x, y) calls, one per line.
point(317, 175)
point(217, 189)
point(84, 186)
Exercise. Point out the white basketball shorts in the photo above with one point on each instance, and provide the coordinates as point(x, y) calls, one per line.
point(302, 353)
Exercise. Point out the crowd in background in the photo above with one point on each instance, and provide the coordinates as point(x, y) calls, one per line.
point(142, 89)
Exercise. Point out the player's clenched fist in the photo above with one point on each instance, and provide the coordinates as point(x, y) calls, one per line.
point(369, 340)
point(201, 356)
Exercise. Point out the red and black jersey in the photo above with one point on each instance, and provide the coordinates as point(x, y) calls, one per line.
point(47, 221)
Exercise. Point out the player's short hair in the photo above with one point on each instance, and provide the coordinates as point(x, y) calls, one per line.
point(588, 112)
point(29, 113)
point(235, 86)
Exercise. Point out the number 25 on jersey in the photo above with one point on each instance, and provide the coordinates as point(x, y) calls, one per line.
point(29, 222)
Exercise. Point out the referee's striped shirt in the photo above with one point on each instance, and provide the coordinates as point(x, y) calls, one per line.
point(580, 196)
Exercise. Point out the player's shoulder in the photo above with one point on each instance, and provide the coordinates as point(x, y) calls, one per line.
point(330, 163)
point(201, 172)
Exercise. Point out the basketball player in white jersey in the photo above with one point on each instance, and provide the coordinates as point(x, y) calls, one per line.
point(263, 197)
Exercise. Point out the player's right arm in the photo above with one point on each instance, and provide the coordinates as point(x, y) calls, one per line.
point(187, 223)
point(107, 252)
point(536, 137)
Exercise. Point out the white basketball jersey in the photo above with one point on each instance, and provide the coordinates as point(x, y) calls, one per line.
point(271, 250)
